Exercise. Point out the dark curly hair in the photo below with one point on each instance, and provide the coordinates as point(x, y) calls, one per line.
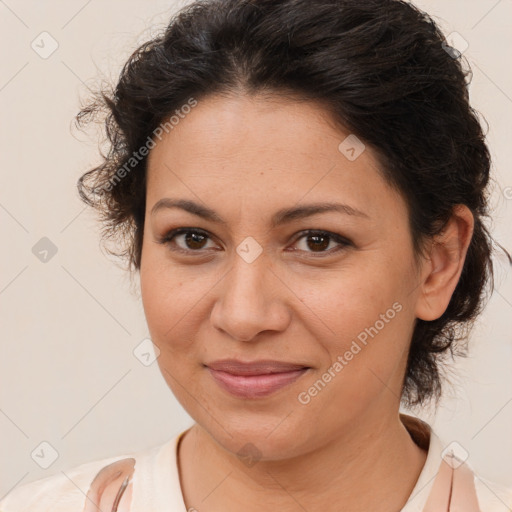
point(383, 70)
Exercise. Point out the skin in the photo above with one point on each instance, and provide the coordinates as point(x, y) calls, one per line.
point(246, 158)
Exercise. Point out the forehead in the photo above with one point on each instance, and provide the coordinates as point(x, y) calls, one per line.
point(223, 127)
point(261, 151)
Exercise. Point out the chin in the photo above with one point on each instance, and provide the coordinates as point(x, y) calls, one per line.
point(259, 440)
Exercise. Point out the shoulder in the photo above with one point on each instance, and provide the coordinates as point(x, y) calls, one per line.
point(64, 491)
point(95, 485)
point(492, 497)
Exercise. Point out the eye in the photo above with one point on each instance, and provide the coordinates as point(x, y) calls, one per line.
point(190, 240)
point(318, 241)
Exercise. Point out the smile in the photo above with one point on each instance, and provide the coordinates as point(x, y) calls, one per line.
point(254, 380)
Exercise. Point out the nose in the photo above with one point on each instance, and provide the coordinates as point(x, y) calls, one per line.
point(251, 299)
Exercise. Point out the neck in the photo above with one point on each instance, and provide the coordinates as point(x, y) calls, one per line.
point(374, 465)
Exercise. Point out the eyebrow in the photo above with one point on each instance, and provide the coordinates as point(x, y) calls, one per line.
point(283, 216)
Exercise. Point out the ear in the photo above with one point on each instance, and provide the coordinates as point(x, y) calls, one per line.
point(442, 269)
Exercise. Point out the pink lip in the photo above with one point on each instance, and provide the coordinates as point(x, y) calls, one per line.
point(254, 380)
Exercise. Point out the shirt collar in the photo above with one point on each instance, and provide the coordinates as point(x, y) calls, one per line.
point(159, 484)
point(426, 439)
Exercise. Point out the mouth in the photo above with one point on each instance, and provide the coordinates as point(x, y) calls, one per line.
point(256, 379)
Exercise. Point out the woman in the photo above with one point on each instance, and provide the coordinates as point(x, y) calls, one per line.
point(301, 186)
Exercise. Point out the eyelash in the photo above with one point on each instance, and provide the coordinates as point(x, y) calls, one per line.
point(168, 238)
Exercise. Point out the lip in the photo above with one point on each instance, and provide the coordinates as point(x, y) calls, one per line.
point(255, 379)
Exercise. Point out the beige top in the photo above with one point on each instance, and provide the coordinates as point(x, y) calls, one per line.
point(155, 485)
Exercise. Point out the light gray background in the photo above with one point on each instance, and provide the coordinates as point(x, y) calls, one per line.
point(69, 326)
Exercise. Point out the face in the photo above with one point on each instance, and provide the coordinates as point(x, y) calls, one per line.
point(333, 291)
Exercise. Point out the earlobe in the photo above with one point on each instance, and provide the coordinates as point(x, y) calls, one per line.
point(444, 264)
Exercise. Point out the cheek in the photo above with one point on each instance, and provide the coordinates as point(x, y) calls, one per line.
point(361, 360)
point(345, 302)
point(363, 318)
point(160, 291)
point(173, 306)
point(171, 309)
point(164, 306)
